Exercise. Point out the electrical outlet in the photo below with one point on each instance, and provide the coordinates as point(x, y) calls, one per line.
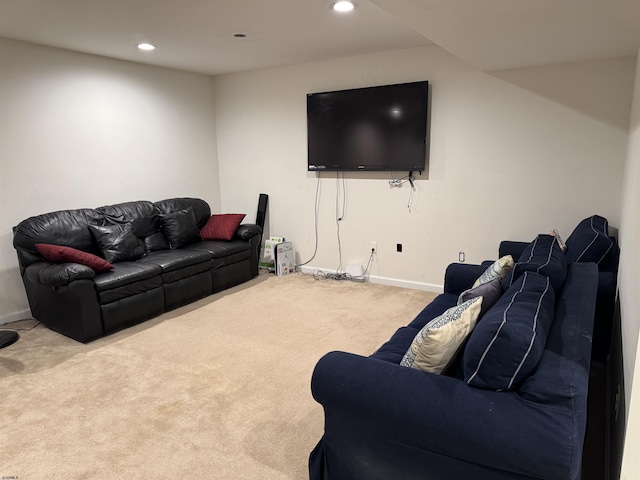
point(461, 257)
point(374, 247)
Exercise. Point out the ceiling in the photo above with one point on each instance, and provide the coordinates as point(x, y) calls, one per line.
point(198, 35)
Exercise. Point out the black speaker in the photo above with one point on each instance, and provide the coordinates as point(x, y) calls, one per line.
point(261, 214)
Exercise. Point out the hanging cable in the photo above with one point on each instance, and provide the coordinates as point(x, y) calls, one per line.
point(340, 216)
point(315, 222)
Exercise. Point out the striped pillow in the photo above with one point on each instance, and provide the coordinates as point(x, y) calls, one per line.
point(589, 241)
point(543, 256)
point(507, 344)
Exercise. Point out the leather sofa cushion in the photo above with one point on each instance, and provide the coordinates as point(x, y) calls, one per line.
point(148, 229)
point(117, 242)
point(186, 272)
point(129, 290)
point(170, 260)
point(126, 212)
point(220, 248)
point(180, 228)
point(124, 273)
point(201, 210)
point(220, 262)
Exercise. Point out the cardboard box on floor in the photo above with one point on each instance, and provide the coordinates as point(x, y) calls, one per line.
point(285, 259)
point(268, 260)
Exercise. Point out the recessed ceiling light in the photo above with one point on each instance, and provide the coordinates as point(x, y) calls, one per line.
point(343, 6)
point(146, 46)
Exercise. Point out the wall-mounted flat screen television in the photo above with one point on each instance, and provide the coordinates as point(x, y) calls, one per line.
point(381, 128)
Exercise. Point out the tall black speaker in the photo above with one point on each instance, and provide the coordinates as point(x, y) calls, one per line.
point(261, 214)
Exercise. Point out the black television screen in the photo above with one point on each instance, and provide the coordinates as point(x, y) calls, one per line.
point(373, 128)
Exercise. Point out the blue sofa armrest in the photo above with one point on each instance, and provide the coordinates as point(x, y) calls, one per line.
point(381, 417)
point(459, 277)
point(605, 306)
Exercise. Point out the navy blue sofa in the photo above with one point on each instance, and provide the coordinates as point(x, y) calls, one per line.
point(386, 421)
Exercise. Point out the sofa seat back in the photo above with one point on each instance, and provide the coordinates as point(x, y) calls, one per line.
point(127, 212)
point(65, 227)
point(200, 208)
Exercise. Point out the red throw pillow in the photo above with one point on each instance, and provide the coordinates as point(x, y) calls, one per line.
point(222, 227)
point(62, 254)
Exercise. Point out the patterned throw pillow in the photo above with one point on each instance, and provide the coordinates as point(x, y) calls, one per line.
point(497, 269)
point(222, 227)
point(62, 254)
point(435, 345)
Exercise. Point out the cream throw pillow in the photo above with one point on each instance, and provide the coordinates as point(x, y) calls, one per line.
point(436, 344)
point(499, 268)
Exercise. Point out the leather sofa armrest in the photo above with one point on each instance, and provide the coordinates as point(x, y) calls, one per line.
point(248, 230)
point(460, 277)
point(57, 274)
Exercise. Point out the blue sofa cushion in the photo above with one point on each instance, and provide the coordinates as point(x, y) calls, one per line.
point(589, 241)
point(542, 256)
point(508, 341)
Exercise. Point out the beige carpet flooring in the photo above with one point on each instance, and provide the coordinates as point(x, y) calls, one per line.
point(215, 390)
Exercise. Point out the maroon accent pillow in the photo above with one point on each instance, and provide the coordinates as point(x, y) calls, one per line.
point(62, 254)
point(222, 227)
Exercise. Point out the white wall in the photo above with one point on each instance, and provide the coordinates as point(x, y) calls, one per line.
point(630, 289)
point(506, 162)
point(83, 131)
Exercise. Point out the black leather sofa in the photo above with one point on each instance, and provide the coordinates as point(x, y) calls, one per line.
point(83, 304)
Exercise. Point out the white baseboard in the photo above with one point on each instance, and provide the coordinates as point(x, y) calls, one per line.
point(392, 282)
point(14, 317)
